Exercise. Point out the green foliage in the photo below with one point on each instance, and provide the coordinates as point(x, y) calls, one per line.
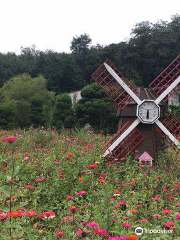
point(40, 137)
point(63, 113)
point(96, 109)
point(80, 44)
point(176, 111)
point(21, 93)
point(6, 117)
point(36, 111)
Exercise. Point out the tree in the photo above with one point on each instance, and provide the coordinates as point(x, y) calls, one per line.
point(141, 58)
point(18, 93)
point(96, 109)
point(63, 114)
point(36, 111)
point(80, 45)
point(6, 117)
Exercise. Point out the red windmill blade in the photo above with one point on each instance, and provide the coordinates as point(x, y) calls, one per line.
point(148, 111)
point(110, 86)
point(173, 125)
point(168, 76)
point(128, 144)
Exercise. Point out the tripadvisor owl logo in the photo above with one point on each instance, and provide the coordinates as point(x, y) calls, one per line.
point(139, 231)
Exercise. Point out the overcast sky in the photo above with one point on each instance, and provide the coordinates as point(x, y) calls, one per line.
point(52, 24)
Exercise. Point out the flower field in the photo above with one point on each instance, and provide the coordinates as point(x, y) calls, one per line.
point(56, 186)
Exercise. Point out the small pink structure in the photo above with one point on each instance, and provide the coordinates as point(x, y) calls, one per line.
point(145, 159)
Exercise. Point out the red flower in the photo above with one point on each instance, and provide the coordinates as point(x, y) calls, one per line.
point(142, 166)
point(92, 166)
point(100, 232)
point(133, 211)
point(61, 176)
point(116, 191)
point(80, 179)
point(131, 237)
point(15, 214)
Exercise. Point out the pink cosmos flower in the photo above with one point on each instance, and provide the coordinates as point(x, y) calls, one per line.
point(40, 179)
point(165, 190)
point(73, 209)
point(167, 211)
point(112, 199)
point(9, 139)
point(79, 233)
point(11, 181)
point(93, 225)
point(3, 216)
point(100, 232)
point(156, 215)
point(69, 197)
point(158, 177)
point(169, 224)
point(139, 206)
point(177, 185)
point(29, 186)
point(30, 213)
point(157, 199)
point(47, 215)
point(60, 233)
point(80, 193)
point(143, 220)
point(21, 208)
point(68, 217)
point(122, 203)
point(126, 225)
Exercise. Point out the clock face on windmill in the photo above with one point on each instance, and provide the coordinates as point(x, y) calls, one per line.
point(148, 111)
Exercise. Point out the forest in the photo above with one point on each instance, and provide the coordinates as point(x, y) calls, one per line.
point(50, 75)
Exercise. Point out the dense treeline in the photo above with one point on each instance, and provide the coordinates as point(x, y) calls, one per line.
point(34, 84)
point(27, 102)
point(149, 50)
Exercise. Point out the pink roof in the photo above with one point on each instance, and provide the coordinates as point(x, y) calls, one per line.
point(145, 156)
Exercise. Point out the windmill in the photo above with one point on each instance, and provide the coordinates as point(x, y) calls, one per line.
point(148, 110)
